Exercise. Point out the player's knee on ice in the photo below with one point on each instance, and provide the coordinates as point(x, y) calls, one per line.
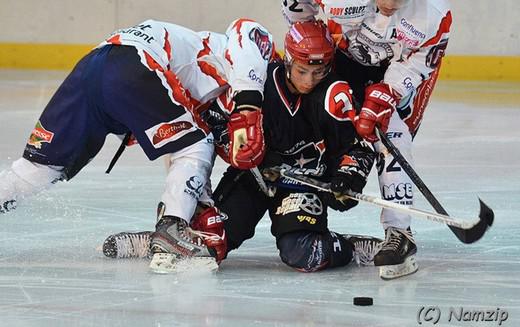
point(311, 251)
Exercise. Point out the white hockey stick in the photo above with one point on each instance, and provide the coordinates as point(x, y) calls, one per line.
point(260, 180)
point(440, 218)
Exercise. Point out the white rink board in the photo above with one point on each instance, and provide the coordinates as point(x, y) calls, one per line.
point(480, 27)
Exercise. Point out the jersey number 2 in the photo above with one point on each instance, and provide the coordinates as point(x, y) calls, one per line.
point(293, 7)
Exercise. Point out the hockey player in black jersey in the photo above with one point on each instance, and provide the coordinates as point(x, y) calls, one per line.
point(308, 129)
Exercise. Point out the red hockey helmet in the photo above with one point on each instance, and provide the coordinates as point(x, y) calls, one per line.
point(309, 42)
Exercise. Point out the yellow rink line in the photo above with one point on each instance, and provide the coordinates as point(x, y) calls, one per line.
point(64, 56)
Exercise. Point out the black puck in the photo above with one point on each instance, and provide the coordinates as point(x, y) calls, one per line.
point(361, 300)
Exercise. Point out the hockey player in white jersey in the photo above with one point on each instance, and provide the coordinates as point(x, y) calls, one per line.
point(152, 81)
point(390, 52)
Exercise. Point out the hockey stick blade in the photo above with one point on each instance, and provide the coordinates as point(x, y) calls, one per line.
point(475, 233)
point(467, 232)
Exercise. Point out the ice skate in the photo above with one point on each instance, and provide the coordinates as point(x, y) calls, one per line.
point(397, 255)
point(176, 247)
point(365, 248)
point(128, 245)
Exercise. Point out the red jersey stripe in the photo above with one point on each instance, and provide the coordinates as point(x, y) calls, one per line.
point(444, 28)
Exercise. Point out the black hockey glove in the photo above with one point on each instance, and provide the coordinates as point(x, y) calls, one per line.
point(343, 180)
point(349, 176)
point(340, 205)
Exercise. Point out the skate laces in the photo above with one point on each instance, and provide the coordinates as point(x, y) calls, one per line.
point(365, 250)
point(186, 232)
point(133, 245)
point(203, 236)
point(195, 236)
point(393, 238)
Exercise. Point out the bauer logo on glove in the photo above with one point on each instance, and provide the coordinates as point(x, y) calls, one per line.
point(378, 107)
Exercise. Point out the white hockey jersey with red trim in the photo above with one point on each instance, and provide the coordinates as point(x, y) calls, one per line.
point(201, 65)
point(413, 40)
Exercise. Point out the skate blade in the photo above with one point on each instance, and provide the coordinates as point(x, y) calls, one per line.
point(408, 267)
point(167, 263)
point(148, 255)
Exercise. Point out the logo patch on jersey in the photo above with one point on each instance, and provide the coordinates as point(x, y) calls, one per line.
point(261, 38)
point(338, 101)
point(402, 193)
point(308, 202)
point(255, 77)
point(163, 133)
point(302, 161)
point(409, 34)
point(409, 41)
point(310, 220)
point(433, 59)
point(394, 135)
point(411, 29)
point(194, 187)
point(407, 83)
point(347, 12)
point(40, 135)
point(305, 158)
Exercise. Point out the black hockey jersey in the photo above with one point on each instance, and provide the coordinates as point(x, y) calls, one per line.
point(307, 133)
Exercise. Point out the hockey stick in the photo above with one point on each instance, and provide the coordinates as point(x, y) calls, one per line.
point(261, 183)
point(465, 235)
point(119, 152)
point(440, 218)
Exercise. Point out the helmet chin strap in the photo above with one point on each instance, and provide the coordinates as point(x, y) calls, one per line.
point(296, 92)
point(288, 78)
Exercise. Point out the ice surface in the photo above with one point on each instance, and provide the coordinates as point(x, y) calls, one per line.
point(52, 275)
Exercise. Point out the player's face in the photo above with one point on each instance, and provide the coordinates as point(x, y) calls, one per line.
point(389, 7)
point(305, 77)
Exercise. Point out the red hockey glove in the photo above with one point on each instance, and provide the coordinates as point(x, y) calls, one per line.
point(210, 222)
point(380, 102)
point(246, 139)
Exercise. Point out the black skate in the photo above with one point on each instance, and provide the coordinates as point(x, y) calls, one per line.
point(176, 246)
point(127, 245)
point(365, 248)
point(397, 255)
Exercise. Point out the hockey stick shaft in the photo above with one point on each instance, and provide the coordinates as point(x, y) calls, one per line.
point(411, 173)
point(260, 180)
point(440, 218)
point(437, 217)
point(486, 215)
